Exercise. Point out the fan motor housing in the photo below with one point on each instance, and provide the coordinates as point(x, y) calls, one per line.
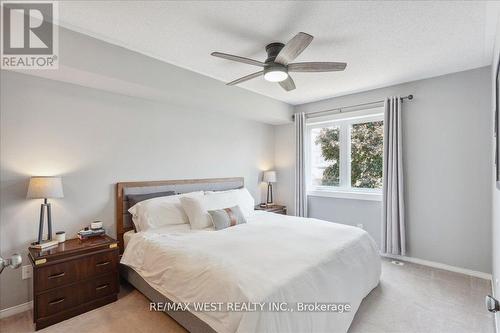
point(272, 51)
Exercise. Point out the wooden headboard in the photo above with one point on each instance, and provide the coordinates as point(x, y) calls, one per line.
point(123, 217)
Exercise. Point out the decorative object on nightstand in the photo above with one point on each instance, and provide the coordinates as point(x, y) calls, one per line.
point(95, 230)
point(60, 236)
point(44, 188)
point(278, 209)
point(269, 178)
point(72, 278)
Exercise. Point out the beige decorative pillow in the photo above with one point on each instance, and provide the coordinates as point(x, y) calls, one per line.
point(227, 217)
point(197, 208)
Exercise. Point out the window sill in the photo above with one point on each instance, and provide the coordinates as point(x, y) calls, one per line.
point(346, 195)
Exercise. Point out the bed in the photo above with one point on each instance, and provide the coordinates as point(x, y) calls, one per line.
point(273, 274)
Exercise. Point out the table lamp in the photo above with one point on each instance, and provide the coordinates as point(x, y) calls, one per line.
point(44, 188)
point(269, 177)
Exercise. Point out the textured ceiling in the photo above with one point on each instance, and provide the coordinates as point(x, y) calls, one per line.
point(383, 42)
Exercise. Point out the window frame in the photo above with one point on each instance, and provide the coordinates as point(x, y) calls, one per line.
point(344, 122)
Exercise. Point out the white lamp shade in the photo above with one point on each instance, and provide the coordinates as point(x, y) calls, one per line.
point(45, 187)
point(269, 177)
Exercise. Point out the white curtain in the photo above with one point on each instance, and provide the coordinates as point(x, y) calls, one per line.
point(393, 216)
point(300, 165)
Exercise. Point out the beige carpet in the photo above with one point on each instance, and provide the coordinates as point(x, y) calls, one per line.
point(409, 299)
point(418, 299)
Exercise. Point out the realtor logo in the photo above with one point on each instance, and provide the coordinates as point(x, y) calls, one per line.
point(29, 36)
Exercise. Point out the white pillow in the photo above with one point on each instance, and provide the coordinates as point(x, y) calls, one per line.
point(161, 211)
point(196, 208)
point(243, 197)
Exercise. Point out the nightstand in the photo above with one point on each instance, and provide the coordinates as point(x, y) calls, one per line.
point(278, 209)
point(73, 277)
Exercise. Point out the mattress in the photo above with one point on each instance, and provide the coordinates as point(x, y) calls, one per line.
point(273, 259)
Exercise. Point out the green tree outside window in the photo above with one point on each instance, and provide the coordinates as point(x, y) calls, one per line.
point(328, 139)
point(366, 155)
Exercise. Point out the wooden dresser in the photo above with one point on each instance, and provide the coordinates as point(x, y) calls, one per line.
point(74, 277)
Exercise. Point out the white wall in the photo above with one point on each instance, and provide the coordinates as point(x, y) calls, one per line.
point(91, 62)
point(447, 159)
point(95, 139)
point(284, 162)
point(348, 211)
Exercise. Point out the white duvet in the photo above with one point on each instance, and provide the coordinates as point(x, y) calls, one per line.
point(273, 258)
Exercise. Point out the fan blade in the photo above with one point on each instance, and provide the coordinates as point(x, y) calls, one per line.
point(293, 48)
point(238, 59)
point(316, 66)
point(287, 84)
point(245, 78)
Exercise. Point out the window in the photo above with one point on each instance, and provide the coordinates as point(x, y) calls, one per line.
point(345, 155)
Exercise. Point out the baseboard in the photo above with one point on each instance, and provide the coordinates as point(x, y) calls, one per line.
point(450, 268)
point(16, 309)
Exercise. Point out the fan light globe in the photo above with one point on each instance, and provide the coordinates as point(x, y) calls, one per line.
point(276, 75)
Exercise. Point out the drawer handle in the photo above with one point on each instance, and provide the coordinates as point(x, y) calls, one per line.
point(57, 301)
point(55, 276)
point(102, 287)
point(104, 263)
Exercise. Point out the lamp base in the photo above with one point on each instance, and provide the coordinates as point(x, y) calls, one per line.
point(45, 206)
point(269, 200)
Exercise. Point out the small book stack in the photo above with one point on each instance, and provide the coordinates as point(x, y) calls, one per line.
point(85, 234)
point(44, 245)
point(95, 230)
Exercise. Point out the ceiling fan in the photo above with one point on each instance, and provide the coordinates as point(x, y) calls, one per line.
point(278, 64)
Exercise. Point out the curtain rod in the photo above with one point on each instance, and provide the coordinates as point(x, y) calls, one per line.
point(342, 109)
